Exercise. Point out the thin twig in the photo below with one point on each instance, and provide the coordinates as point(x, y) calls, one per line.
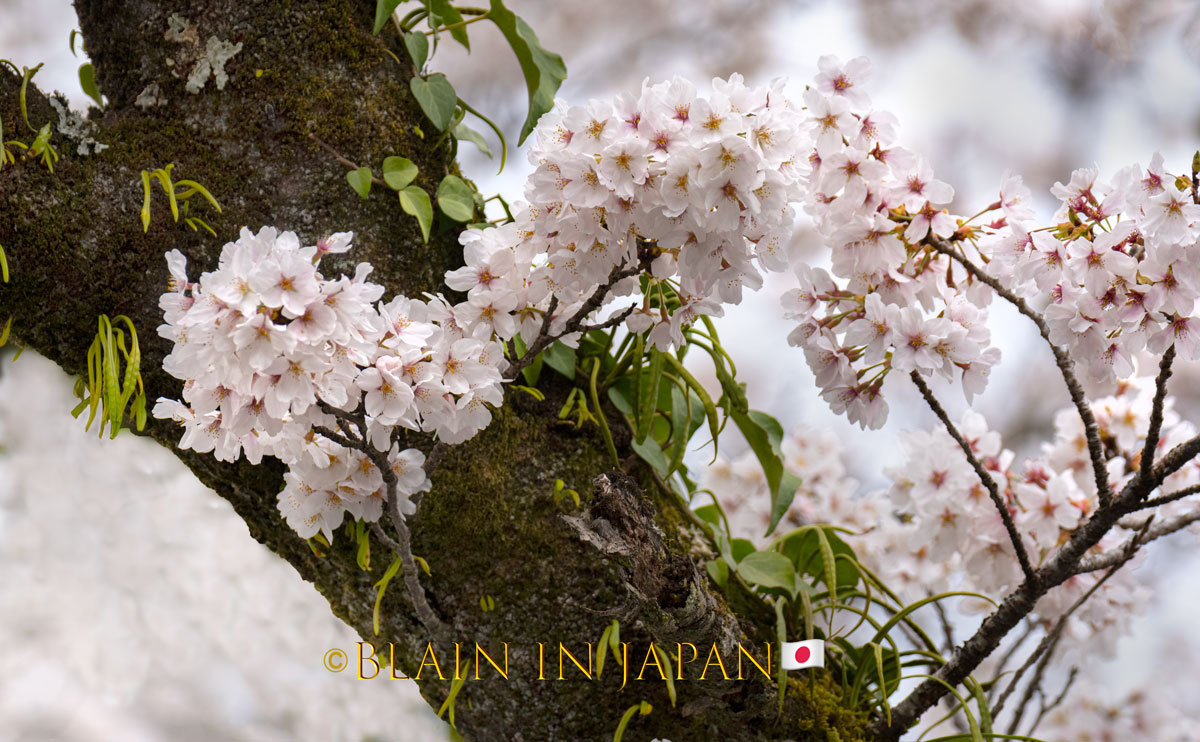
point(337, 156)
point(944, 620)
point(612, 321)
point(574, 324)
point(1146, 465)
point(1008, 655)
point(402, 544)
point(1164, 528)
point(1170, 497)
point(1171, 463)
point(1047, 708)
point(986, 479)
point(1019, 603)
point(435, 457)
point(1064, 362)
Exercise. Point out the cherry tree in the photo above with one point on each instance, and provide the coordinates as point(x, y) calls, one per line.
point(499, 415)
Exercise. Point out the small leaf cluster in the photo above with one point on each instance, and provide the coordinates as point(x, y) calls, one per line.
point(114, 381)
point(179, 199)
point(40, 146)
point(456, 199)
point(542, 70)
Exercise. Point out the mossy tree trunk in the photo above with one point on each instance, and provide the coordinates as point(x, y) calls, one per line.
point(311, 70)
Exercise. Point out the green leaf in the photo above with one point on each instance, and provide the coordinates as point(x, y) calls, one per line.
point(544, 71)
point(561, 358)
point(446, 14)
point(398, 172)
point(769, 569)
point(360, 181)
point(709, 514)
point(803, 548)
point(417, 45)
point(781, 636)
point(534, 369)
point(670, 672)
point(456, 199)
point(652, 454)
point(437, 98)
point(618, 395)
point(769, 425)
point(87, 80)
point(614, 641)
point(647, 396)
point(740, 548)
point(642, 709)
point(415, 201)
point(362, 536)
point(383, 11)
point(783, 498)
point(464, 132)
point(719, 571)
point(765, 444)
point(602, 649)
point(710, 410)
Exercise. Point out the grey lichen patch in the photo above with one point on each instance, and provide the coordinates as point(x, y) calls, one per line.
point(150, 97)
point(209, 64)
point(181, 31)
point(75, 128)
point(212, 64)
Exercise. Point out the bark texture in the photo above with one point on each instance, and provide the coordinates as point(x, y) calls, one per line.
point(490, 527)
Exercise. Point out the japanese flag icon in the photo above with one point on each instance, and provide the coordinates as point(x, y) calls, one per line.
point(798, 655)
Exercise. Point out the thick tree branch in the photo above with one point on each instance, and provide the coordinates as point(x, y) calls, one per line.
point(1041, 654)
point(76, 249)
point(1061, 565)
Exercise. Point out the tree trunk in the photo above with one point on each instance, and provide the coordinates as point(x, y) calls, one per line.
point(308, 71)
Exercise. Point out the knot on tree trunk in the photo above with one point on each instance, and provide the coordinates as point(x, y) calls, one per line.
point(668, 592)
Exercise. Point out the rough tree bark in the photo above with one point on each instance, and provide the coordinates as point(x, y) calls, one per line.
point(489, 527)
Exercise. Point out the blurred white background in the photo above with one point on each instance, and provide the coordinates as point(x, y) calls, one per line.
point(135, 606)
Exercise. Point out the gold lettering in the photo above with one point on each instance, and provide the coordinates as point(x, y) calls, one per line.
point(624, 665)
point(714, 653)
point(429, 653)
point(679, 660)
point(742, 650)
point(651, 654)
point(369, 658)
point(563, 650)
point(488, 657)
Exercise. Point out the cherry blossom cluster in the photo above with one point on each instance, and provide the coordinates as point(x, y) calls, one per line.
point(936, 529)
point(951, 536)
point(271, 353)
point(889, 301)
point(1115, 272)
point(693, 190)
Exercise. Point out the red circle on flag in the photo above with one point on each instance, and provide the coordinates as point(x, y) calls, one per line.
point(802, 655)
